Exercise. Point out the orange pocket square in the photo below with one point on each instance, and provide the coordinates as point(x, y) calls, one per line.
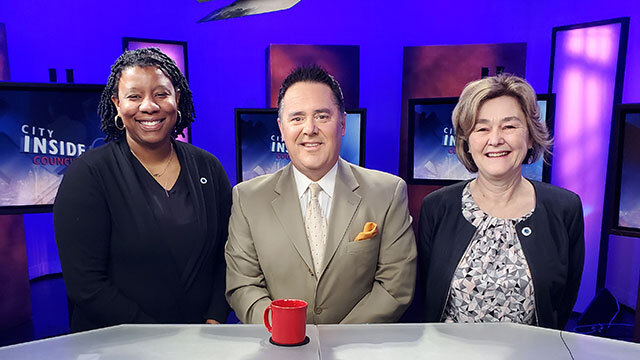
point(370, 230)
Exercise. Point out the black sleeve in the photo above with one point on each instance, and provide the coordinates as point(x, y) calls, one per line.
point(82, 225)
point(575, 228)
point(424, 239)
point(219, 308)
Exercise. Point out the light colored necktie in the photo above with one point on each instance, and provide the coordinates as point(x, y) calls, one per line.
point(316, 226)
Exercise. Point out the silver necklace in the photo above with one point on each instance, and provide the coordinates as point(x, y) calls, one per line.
point(157, 175)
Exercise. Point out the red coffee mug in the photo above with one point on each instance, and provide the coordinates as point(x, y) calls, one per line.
point(288, 321)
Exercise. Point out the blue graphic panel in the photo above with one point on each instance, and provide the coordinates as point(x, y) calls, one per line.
point(629, 212)
point(260, 149)
point(434, 152)
point(42, 130)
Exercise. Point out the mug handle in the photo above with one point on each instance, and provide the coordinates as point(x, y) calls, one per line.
point(266, 317)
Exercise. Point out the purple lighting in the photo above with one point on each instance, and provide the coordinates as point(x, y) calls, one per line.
point(594, 44)
point(174, 51)
point(584, 78)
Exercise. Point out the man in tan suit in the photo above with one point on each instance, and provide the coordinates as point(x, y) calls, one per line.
point(321, 229)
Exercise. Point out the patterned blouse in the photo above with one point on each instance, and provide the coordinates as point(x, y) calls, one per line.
point(492, 281)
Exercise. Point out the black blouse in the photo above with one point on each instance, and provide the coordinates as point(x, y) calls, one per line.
point(174, 212)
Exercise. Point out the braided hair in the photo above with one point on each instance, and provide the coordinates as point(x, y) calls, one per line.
point(143, 58)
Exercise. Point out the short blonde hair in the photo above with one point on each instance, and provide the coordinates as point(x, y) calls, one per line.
point(473, 97)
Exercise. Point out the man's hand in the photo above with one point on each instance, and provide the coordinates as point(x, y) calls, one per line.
point(211, 321)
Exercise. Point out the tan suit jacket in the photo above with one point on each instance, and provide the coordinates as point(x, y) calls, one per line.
point(268, 254)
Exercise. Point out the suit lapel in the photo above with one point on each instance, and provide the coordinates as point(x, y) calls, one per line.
point(287, 209)
point(343, 206)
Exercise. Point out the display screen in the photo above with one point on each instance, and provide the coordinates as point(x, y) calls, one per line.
point(261, 150)
point(43, 128)
point(629, 211)
point(432, 151)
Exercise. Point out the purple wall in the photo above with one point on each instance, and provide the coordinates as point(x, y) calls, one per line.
point(584, 79)
point(227, 58)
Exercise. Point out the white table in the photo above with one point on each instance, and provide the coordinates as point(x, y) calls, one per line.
point(246, 342)
point(464, 341)
point(327, 342)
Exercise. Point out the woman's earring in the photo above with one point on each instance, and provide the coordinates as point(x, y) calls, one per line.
point(179, 117)
point(115, 120)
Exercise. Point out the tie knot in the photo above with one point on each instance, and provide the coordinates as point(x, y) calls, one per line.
point(315, 189)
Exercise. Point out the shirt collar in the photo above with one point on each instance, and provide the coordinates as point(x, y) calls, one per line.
point(327, 182)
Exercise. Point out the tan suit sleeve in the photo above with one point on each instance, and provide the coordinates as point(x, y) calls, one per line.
point(246, 288)
point(394, 280)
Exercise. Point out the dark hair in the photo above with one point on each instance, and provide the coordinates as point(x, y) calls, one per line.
point(312, 73)
point(143, 58)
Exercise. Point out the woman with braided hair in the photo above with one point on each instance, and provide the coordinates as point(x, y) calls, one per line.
point(141, 222)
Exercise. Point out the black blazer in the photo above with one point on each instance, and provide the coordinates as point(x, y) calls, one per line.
point(554, 250)
point(117, 265)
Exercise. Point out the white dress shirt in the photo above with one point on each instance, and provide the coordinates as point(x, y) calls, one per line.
point(327, 183)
